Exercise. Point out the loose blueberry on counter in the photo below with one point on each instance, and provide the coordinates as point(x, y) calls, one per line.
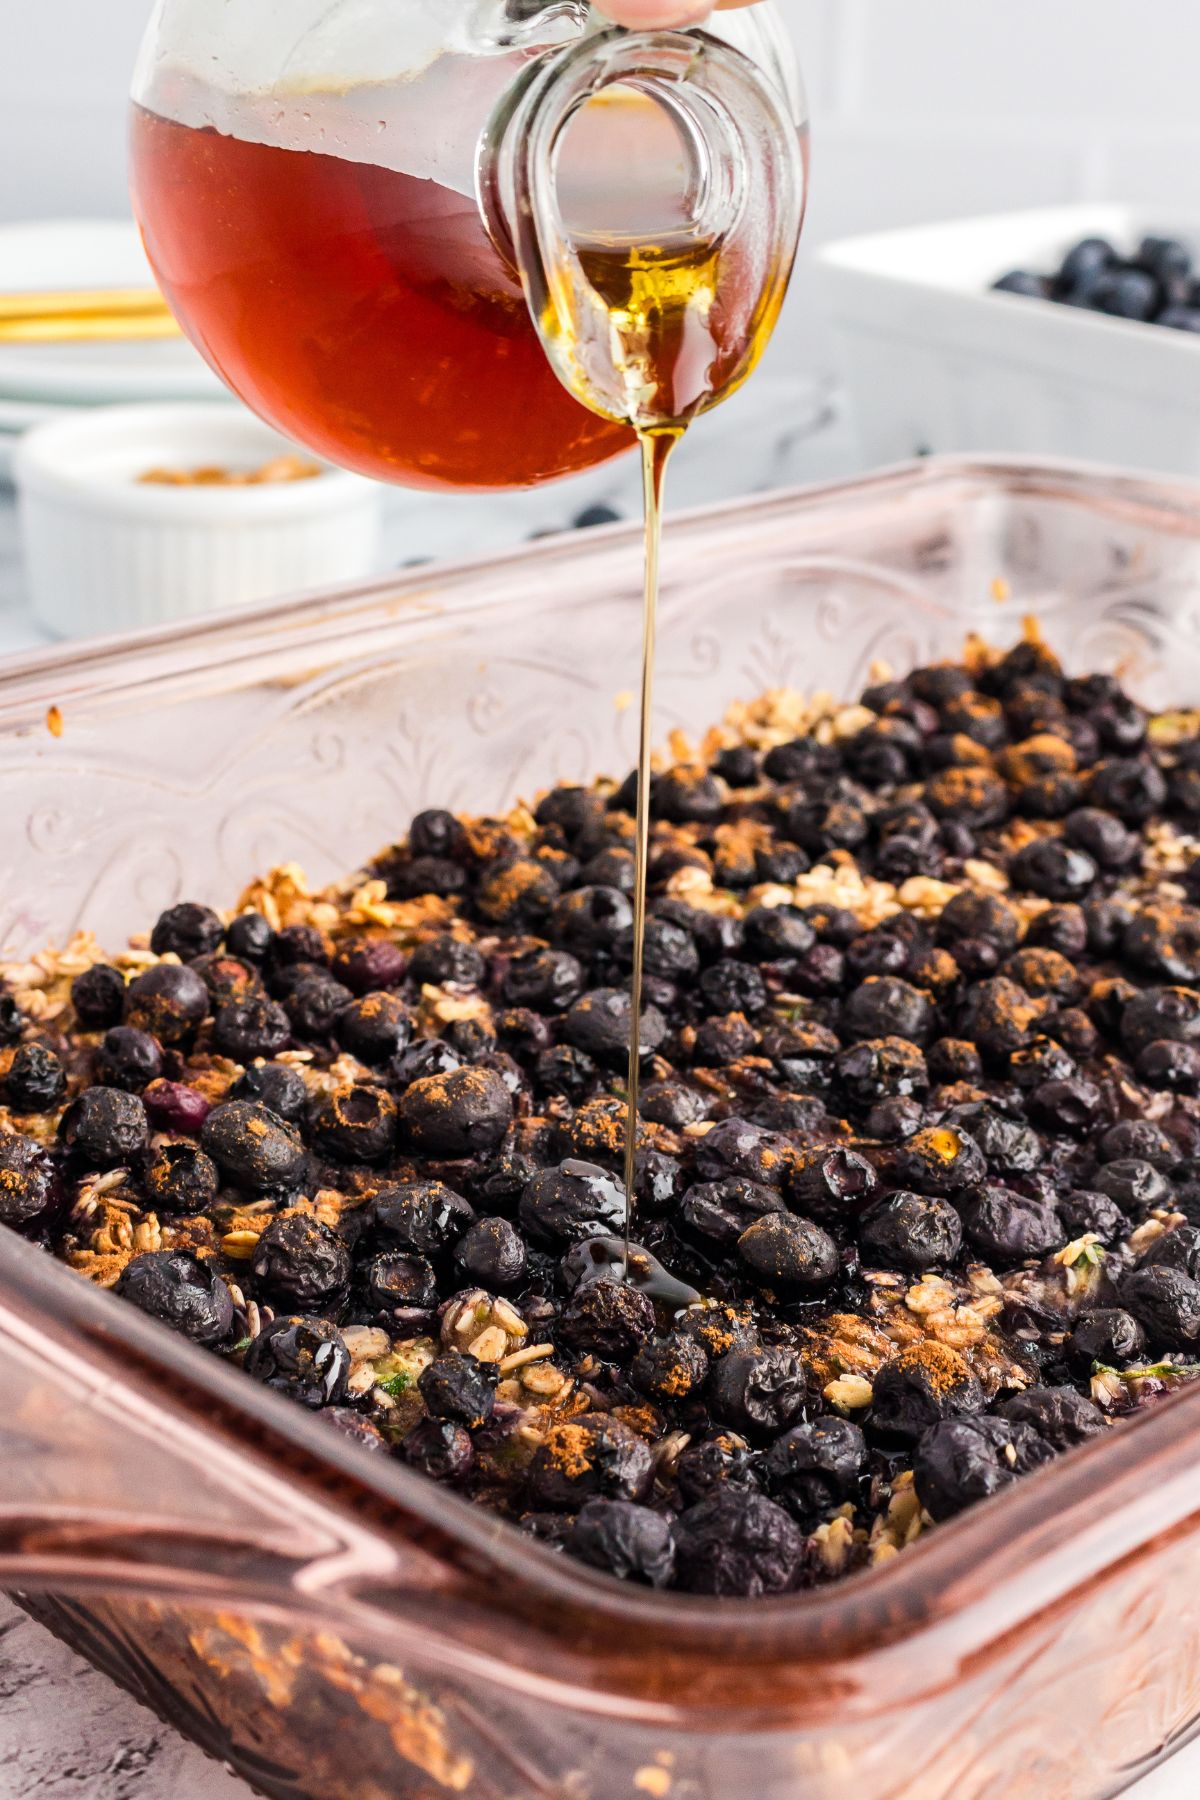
point(180, 1291)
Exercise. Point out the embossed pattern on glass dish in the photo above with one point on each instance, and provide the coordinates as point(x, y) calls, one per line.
point(335, 1638)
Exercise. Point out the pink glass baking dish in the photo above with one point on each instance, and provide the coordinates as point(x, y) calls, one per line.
point(341, 1631)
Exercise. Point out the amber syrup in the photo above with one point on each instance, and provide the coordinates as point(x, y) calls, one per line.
point(667, 310)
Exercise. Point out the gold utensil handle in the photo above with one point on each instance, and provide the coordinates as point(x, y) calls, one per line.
point(97, 329)
point(75, 302)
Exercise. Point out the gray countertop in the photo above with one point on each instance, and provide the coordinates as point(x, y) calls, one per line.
point(65, 1730)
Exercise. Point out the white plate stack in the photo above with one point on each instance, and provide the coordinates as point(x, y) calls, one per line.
point(39, 382)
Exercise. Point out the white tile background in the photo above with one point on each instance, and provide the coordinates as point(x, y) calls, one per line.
point(921, 108)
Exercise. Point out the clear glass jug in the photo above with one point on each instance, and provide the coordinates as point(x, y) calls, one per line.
point(401, 230)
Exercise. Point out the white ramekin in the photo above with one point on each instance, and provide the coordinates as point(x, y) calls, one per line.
point(105, 552)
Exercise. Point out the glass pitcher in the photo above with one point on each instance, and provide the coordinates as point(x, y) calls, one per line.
point(396, 228)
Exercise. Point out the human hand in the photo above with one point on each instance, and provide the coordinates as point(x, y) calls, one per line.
point(655, 15)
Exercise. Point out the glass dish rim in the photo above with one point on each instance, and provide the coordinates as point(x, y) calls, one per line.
point(954, 1574)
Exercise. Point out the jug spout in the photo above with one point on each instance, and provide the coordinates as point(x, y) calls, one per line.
point(649, 324)
point(515, 24)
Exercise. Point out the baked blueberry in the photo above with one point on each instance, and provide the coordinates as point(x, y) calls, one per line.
point(305, 1359)
point(180, 1291)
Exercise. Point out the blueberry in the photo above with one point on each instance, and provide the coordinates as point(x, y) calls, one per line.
point(607, 1319)
point(1021, 281)
point(1085, 1210)
point(98, 996)
point(885, 1006)
point(830, 1183)
point(376, 1028)
point(277, 1086)
point(439, 1449)
point(971, 915)
point(709, 1463)
point(1160, 1013)
point(168, 1000)
point(758, 1390)
point(249, 936)
point(1054, 869)
point(398, 1284)
point(368, 965)
point(180, 1291)
point(590, 920)
point(1141, 1138)
point(104, 1128)
point(314, 1006)
point(459, 1387)
point(425, 1216)
point(724, 1210)
point(738, 767)
point(128, 1059)
point(463, 1113)
point(590, 1457)
point(626, 1540)
point(31, 1190)
point(1133, 787)
point(253, 1148)
point(446, 962)
point(1180, 318)
point(1166, 1303)
point(1072, 1105)
point(173, 1106)
point(1133, 1184)
point(729, 986)
point(188, 931)
point(1107, 1335)
point(784, 1251)
point(961, 1461)
point(424, 875)
point(921, 1387)
point(1060, 1416)
point(669, 1369)
point(182, 1180)
point(1007, 1227)
point(599, 1024)
point(357, 1123)
point(914, 1232)
point(940, 1160)
point(815, 1467)
point(1167, 1065)
point(254, 1027)
point(1178, 1248)
point(36, 1080)
point(572, 1203)
point(881, 1069)
point(576, 811)
point(492, 1253)
point(299, 1262)
point(427, 1056)
point(1166, 258)
point(1163, 937)
point(1087, 259)
point(1007, 1145)
point(227, 978)
point(776, 932)
point(547, 981)
point(1126, 293)
point(352, 1426)
point(304, 1358)
point(738, 1545)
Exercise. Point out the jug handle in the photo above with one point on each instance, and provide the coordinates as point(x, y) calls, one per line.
point(747, 183)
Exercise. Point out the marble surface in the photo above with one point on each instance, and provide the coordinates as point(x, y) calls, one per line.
point(66, 1733)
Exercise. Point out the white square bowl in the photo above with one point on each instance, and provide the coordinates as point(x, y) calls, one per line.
point(935, 361)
